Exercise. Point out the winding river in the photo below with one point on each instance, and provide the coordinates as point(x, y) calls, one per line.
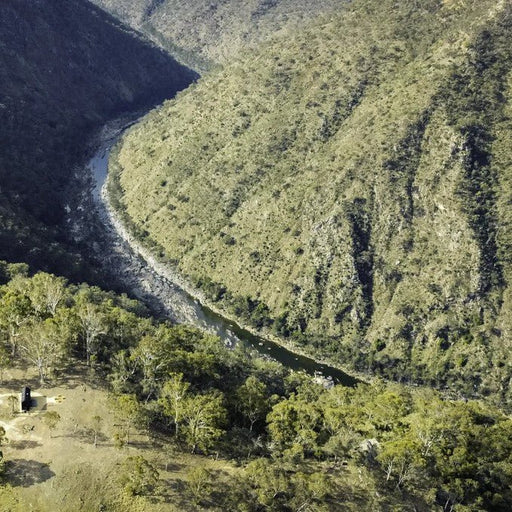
point(95, 224)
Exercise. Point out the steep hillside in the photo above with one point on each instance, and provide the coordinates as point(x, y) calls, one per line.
point(349, 187)
point(66, 68)
point(203, 33)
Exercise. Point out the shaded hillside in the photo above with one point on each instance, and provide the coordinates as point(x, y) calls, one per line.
point(205, 32)
point(349, 188)
point(66, 67)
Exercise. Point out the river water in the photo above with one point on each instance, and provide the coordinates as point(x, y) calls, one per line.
point(155, 285)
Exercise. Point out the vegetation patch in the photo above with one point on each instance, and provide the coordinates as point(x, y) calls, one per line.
point(151, 417)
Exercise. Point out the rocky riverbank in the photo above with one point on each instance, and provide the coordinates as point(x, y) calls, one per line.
point(92, 226)
point(95, 226)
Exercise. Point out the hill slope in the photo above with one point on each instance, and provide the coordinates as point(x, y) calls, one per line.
point(349, 186)
point(66, 68)
point(204, 33)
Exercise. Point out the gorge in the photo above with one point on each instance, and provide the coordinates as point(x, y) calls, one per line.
point(190, 264)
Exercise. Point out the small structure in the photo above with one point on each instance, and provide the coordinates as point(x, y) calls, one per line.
point(26, 400)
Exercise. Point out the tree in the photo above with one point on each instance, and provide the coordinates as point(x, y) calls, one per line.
point(268, 484)
point(338, 423)
point(124, 502)
point(3, 438)
point(294, 422)
point(173, 397)
point(9, 498)
point(168, 452)
point(93, 325)
point(16, 270)
point(252, 401)
point(46, 292)
point(138, 476)
point(51, 420)
point(198, 483)
point(124, 327)
point(309, 490)
point(128, 412)
point(122, 370)
point(119, 439)
point(42, 345)
point(152, 356)
point(4, 361)
point(342, 444)
point(15, 312)
point(96, 422)
point(203, 417)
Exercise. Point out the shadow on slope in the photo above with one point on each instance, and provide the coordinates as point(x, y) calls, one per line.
point(66, 68)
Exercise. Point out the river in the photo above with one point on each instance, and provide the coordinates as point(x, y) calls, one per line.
point(93, 222)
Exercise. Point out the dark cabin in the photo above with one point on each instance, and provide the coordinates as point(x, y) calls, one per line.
point(26, 401)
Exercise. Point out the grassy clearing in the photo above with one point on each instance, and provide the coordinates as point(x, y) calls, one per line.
point(63, 470)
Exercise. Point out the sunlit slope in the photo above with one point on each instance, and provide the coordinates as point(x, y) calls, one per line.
point(354, 181)
point(203, 32)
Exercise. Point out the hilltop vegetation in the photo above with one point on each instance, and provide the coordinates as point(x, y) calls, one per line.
point(283, 442)
point(66, 68)
point(204, 33)
point(347, 186)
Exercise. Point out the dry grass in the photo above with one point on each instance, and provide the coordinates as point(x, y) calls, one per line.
point(63, 470)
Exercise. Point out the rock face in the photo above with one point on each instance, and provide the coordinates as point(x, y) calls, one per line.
point(66, 68)
point(348, 187)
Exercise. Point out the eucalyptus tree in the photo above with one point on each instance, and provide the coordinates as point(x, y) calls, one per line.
point(173, 398)
point(128, 413)
point(42, 343)
point(252, 401)
point(15, 312)
point(46, 292)
point(204, 418)
point(138, 476)
point(51, 419)
point(92, 326)
point(153, 357)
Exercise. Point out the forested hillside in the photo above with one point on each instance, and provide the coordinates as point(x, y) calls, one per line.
point(204, 32)
point(348, 187)
point(280, 441)
point(342, 183)
point(66, 68)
